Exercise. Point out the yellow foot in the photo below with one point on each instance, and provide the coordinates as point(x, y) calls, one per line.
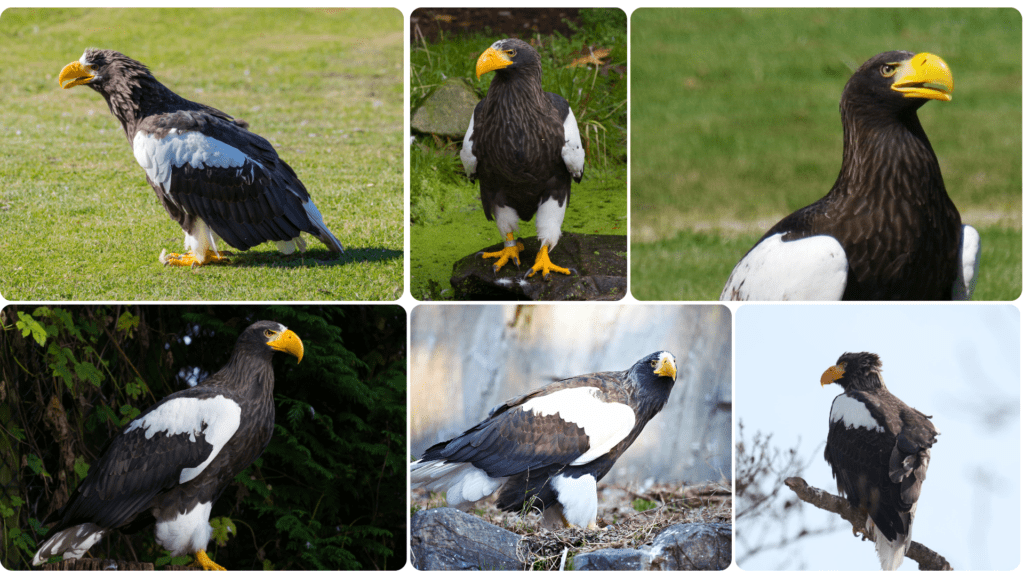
point(510, 252)
point(545, 266)
point(190, 259)
point(204, 562)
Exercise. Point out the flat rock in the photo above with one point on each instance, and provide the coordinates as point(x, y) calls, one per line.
point(599, 262)
point(692, 547)
point(610, 559)
point(449, 539)
point(447, 111)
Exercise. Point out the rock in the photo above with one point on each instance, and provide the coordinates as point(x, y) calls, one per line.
point(447, 111)
point(692, 547)
point(449, 539)
point(599, 262)
point(678, 547)
point(611, 559)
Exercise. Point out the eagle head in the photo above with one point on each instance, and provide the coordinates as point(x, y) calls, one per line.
point(899, 80)
point(96, 67)
point(507, 54)
point(855, 371)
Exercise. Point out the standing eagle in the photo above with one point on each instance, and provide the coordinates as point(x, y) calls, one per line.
point(214, 177)
point(176, 458)
point(887, 230)
point(548, 449)
point(524, 147)
point(879, 449)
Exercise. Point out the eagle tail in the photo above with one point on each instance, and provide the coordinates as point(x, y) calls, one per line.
point(71, 542)
point(891, 552)
point(463, 483)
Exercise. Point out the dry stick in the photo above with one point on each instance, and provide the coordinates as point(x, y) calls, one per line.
point(926, 558)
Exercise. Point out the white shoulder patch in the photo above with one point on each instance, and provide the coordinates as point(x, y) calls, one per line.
point(605, 423)
point(221, 417)
point(158, 156)
point(967, 273)
point(468, 159)
point(811, 268)
point(572, 151)
point(853, 414)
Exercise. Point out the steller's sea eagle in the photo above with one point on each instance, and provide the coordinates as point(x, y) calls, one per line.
point(524, 146)
point(176, 458)
point(214, 177)
point(887, 230)
point(879, 449)
point(546, 450)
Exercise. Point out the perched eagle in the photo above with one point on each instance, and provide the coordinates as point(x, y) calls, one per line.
point(887, 230)
point(524, 147)
point(176, 458)
point(547, 449)
point(879, 449)
point(214, 177)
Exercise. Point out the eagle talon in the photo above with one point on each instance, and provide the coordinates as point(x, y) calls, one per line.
point(545, 266)
point(203, 561)
point(509, 252)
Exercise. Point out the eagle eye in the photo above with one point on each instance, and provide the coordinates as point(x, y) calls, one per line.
point(887, 70)
point(511, 52)
point(268, 332)
point(654, 364)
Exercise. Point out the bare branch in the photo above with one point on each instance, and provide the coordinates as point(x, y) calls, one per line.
point(926, 558)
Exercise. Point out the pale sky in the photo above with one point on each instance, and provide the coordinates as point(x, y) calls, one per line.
point(957, 363)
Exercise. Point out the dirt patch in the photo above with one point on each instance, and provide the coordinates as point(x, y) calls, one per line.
point(434, 23)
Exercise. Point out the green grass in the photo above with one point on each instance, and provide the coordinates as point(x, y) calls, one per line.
point(695, 265)
point(77, 218)
point(447, 220)
point(736, 123)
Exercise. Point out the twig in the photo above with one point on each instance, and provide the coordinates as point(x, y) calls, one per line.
point(926, 558)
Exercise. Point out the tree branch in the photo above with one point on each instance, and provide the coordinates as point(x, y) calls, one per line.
point(926, 558)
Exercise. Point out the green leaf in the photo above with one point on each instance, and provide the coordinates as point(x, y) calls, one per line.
point(29, 325)
point(127, 322)
point(36, 464)
point(223, 528)
point(88, 373)
point(81, 467)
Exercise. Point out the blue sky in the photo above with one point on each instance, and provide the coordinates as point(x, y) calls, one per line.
point(958, 363)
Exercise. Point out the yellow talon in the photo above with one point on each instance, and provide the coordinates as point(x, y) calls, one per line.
point(212, 257)
point(204, 562)
point(510, 252)
point(544, 265)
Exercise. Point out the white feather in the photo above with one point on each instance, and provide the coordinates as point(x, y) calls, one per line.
point(853, 414)
point(578, 497)
point(464, 483)
point(219, 416)
point(605, 423)
point(186, 533)
point(967, 273)
point(549, 222)
point(159, 156)
point(507, 220)
point(813, 268)
point(468, 159)
point(572, 151)
point(83, 537)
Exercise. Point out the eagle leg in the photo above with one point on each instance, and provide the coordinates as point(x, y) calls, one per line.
point(204, 562)
point(545, 266)
point(511, 251)
point(189, 259)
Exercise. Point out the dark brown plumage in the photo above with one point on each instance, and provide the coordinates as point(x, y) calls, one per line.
point(173, 461)
point(548, 448)
point(214, 177)
point(895, 225)
point(879, 449)
point(524, 146)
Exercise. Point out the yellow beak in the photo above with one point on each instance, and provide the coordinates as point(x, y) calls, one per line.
point(75, 72)
point(924, 76)
point(666, 367)
point(490, 60)
point(832, 374)
point(289, 342)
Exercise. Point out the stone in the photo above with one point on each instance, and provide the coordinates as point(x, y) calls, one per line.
point(447, 111)
point(692, 547)
point(598, 261)
point(611, 559)
point(449, 539)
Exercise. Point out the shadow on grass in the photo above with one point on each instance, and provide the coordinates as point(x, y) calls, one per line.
point(313, 258)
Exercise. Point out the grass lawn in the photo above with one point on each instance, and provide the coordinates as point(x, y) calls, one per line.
point(736, 123)
point(78, 220)
point(447, 219)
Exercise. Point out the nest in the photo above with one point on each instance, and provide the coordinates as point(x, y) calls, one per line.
point(629, 519)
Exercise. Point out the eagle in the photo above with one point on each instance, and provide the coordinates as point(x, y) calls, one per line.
point(524, 146)
point(215, 178)
point(879, 449)
point(173, 461)
point(887, 230)
point(546, 450)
